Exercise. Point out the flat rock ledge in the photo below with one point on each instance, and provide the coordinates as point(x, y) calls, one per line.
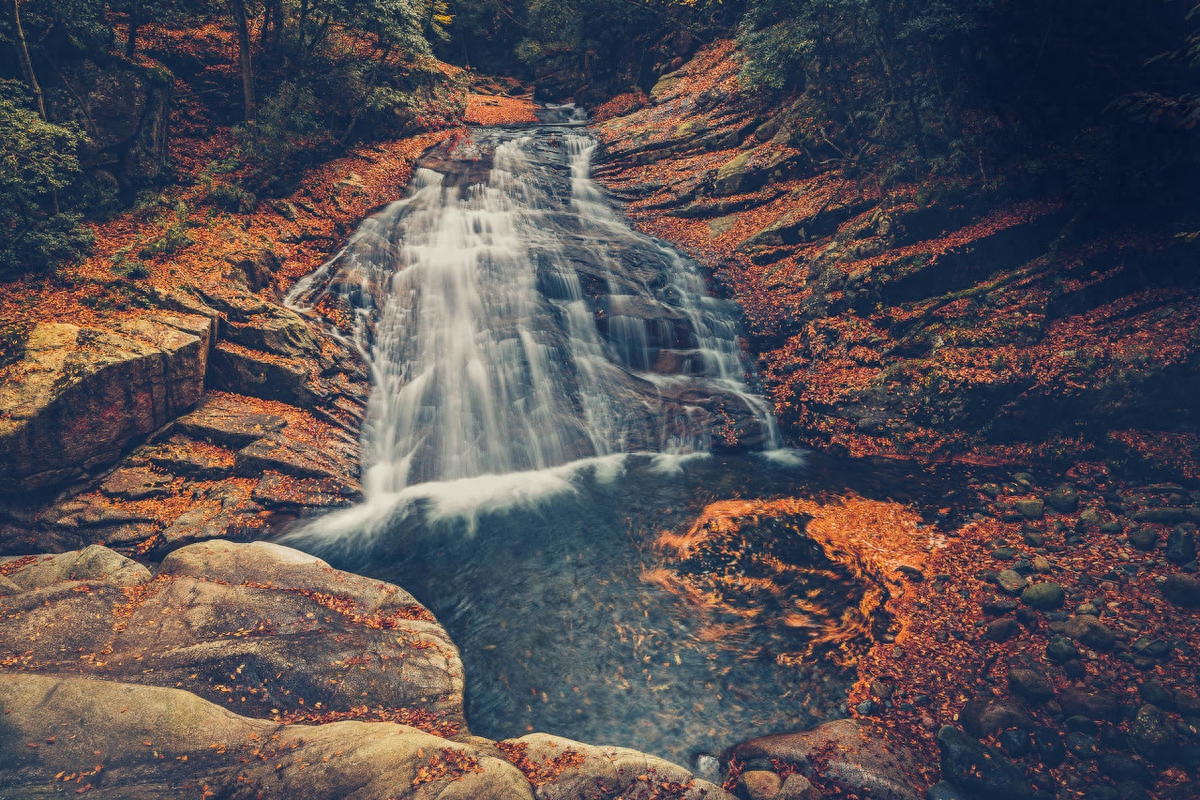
point(254, 670)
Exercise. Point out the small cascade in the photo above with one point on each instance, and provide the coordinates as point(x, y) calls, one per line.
point(515, 322)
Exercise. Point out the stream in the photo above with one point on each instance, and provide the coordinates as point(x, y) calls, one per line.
point(552, 391)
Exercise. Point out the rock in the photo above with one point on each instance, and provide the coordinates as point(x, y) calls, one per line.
point(1144, 538)
point(983, 716)
point(1063, 499)
point(225, 420)
point(1169, 516)
point(1003, 629)
point(798, 787)
point(93, 563)
point(1093, 705)
point(1060, 650)
point(170, 739)
point(1081, 745)
point(231, 621)
point(271, 329)
point(1041, 564)
point(850, 758)
point(1011, 581)
point(1043, 596)
point(188, 458)
point(258, 374)
point(1182, 590)
point(1030, 509)
point(1091, 518)
point(280, 454)
point(944, 791)
point(567, 770)
point(1181, 545)
point(1049, 746)
point(1152, 735)
point(79, 395)
point(1029, 684)
point(136, 483)
point(1016, 743)
point(759, 784)
point(1120, 766)
point(289, 493)
point(982, 771)
point(1091, 631)
point(1151, 647)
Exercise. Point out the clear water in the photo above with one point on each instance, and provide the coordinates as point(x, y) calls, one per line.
point(552, 391)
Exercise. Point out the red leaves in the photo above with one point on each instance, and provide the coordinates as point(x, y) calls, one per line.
point(539, 773)
point(446, 765)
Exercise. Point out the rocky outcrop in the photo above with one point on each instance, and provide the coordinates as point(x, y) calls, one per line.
point(124, 108)
point(342, 687)
point(79, 395)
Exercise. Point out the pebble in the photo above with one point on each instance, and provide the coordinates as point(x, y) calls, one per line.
point(1040, 564)
point(1063, 498)
point(1044, 596)
point(1145, 539)
point(1029, 684)
point(1011, 581)
point(1181, 545)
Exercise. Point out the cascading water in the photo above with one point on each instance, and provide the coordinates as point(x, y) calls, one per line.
point(514, 322)
point(551, 391)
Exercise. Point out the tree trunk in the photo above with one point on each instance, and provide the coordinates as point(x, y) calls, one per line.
point(26, 62)
point(243, 31)
point(135, 22)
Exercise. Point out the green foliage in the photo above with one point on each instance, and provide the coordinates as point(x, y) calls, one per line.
point(38, 162)
point(174, 236)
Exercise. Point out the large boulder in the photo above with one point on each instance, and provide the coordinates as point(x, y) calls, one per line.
point(79, 396)
point(844, 753)
point(263, 629)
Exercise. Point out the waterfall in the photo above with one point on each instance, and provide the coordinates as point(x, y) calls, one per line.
point(515, 322)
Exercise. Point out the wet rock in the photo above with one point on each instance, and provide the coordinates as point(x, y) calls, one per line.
point(1030, 509)
point(280, 454)
point(1151, 647)
point(846, 754)
point(1152, 735)
point(1030, 684)
point(1003, 629)
point(1169, 516)
point(1043, 596)
point(798, 787)
point(1049, 746)
point(1121, 767)
point(80, 395)
point(1182, 590)
point(1090, 631)
point(1081, 745)
point(1060, 650)
point(1011, 581)
point(982, 771)
point(1016, 743)
point(983, 716)
point(1063, 499)
point(287, 492)
point(998, 606)
point(1181, 545)
point(1093, 705)
point(945, 791)
point(1145, 539)
point(1091, 518)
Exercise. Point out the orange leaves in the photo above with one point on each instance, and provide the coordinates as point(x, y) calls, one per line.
point(539, 773)
point(498, 110)
point(447, 765)
point(419, 718)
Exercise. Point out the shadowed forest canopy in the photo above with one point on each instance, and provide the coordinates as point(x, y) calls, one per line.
point(1098, 99)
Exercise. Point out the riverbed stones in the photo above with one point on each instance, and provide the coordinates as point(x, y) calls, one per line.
point(1060, 650)
point(1090, 631)
point(845, 753)
point(1064, 498)
point(1044, 596)
point(1144, 538)
point(1030, 684)
point(983, 716)
point(1181, 545)
point(1182, 590)
point(1033, 508)
point(1152, 735)
point(1011, 581)
point(983, 771)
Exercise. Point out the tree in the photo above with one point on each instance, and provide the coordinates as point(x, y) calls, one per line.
point(238, 7)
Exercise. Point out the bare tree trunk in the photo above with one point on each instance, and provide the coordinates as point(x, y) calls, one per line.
point(26, 62)
point(135, 22)
point(243, 31)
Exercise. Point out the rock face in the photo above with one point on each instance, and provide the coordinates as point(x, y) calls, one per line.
point(124, 108)
point(147, 710)
point(80, 395)
point(847, 754)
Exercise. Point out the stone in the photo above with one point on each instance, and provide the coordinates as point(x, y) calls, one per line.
point(1049, 746)
point(1030, 509)
point(79, 395)
point(225, 420)
point(850, 758)
point(1091, 518)
point(1016, 742)
point(1090, 631)
point(259, 374)
point(1060, 650)
point(1181, 545)
point(1182, 590)
point(1011, 581)
point(94, 563)
point(1168, 515)
point(1041, 564)
point(1081, 745)
point(798, 787)
point(1043, 596)
point(1151, 647)
point(945, 791)
point(136, 483)
point(170, 738)
point(1120, 766)
point(759, 784)
point(983, 716)
point(1063, 498)
point(1145, 539)
point(1003, 629)
point(1093, 705)
point(280, 454)
point(1029, 684)
point(982, 771)
point(1152, 735)
point(188, 458)
point(226, 621)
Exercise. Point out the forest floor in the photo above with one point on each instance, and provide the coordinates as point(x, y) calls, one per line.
point(1050, 355)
